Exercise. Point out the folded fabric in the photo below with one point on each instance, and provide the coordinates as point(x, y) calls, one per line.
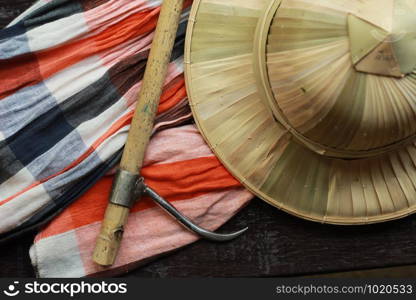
point(69, 76)
point(181, 167)
point(70, 72)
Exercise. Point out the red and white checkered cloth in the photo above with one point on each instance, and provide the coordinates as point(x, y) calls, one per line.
point(70, 72)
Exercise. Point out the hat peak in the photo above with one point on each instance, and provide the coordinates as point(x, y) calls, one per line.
point(384, 50)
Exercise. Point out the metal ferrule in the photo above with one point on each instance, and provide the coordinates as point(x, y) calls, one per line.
point(127, 188)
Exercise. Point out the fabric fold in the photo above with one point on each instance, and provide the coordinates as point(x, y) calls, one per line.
point(70, 72)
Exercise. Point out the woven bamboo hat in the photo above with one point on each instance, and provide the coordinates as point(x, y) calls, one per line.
point(311, 104)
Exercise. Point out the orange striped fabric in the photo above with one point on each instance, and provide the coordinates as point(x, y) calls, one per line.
point(193, 180)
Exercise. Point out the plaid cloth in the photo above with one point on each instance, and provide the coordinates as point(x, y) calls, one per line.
point(180, 166)
point(70, 72)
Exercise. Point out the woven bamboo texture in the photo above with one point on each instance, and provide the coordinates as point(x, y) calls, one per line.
point(300, 104)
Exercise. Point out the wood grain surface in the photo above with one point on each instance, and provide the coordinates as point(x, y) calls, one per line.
point(276, 243)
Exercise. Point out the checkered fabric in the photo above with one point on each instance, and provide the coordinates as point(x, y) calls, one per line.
point(70, 72)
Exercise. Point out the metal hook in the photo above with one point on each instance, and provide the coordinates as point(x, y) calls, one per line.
point(128, 188)
point(209, 235)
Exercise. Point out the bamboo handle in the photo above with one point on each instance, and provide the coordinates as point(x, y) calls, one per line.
point(108, 242)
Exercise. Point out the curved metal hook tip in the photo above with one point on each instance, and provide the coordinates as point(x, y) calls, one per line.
point(209, 235)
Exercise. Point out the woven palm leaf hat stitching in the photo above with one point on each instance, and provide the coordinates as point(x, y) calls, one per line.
point(311, 104)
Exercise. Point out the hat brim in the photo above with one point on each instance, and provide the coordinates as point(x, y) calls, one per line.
point(237, 123)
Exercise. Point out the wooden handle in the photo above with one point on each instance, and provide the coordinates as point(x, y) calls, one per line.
point(153, 80)
point(108, 242)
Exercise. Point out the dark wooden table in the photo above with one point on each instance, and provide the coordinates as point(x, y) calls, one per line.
point(277, 244)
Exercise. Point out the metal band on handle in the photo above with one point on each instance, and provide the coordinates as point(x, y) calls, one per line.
point(127, 188)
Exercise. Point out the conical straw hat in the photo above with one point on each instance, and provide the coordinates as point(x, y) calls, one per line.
point(311, 104)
